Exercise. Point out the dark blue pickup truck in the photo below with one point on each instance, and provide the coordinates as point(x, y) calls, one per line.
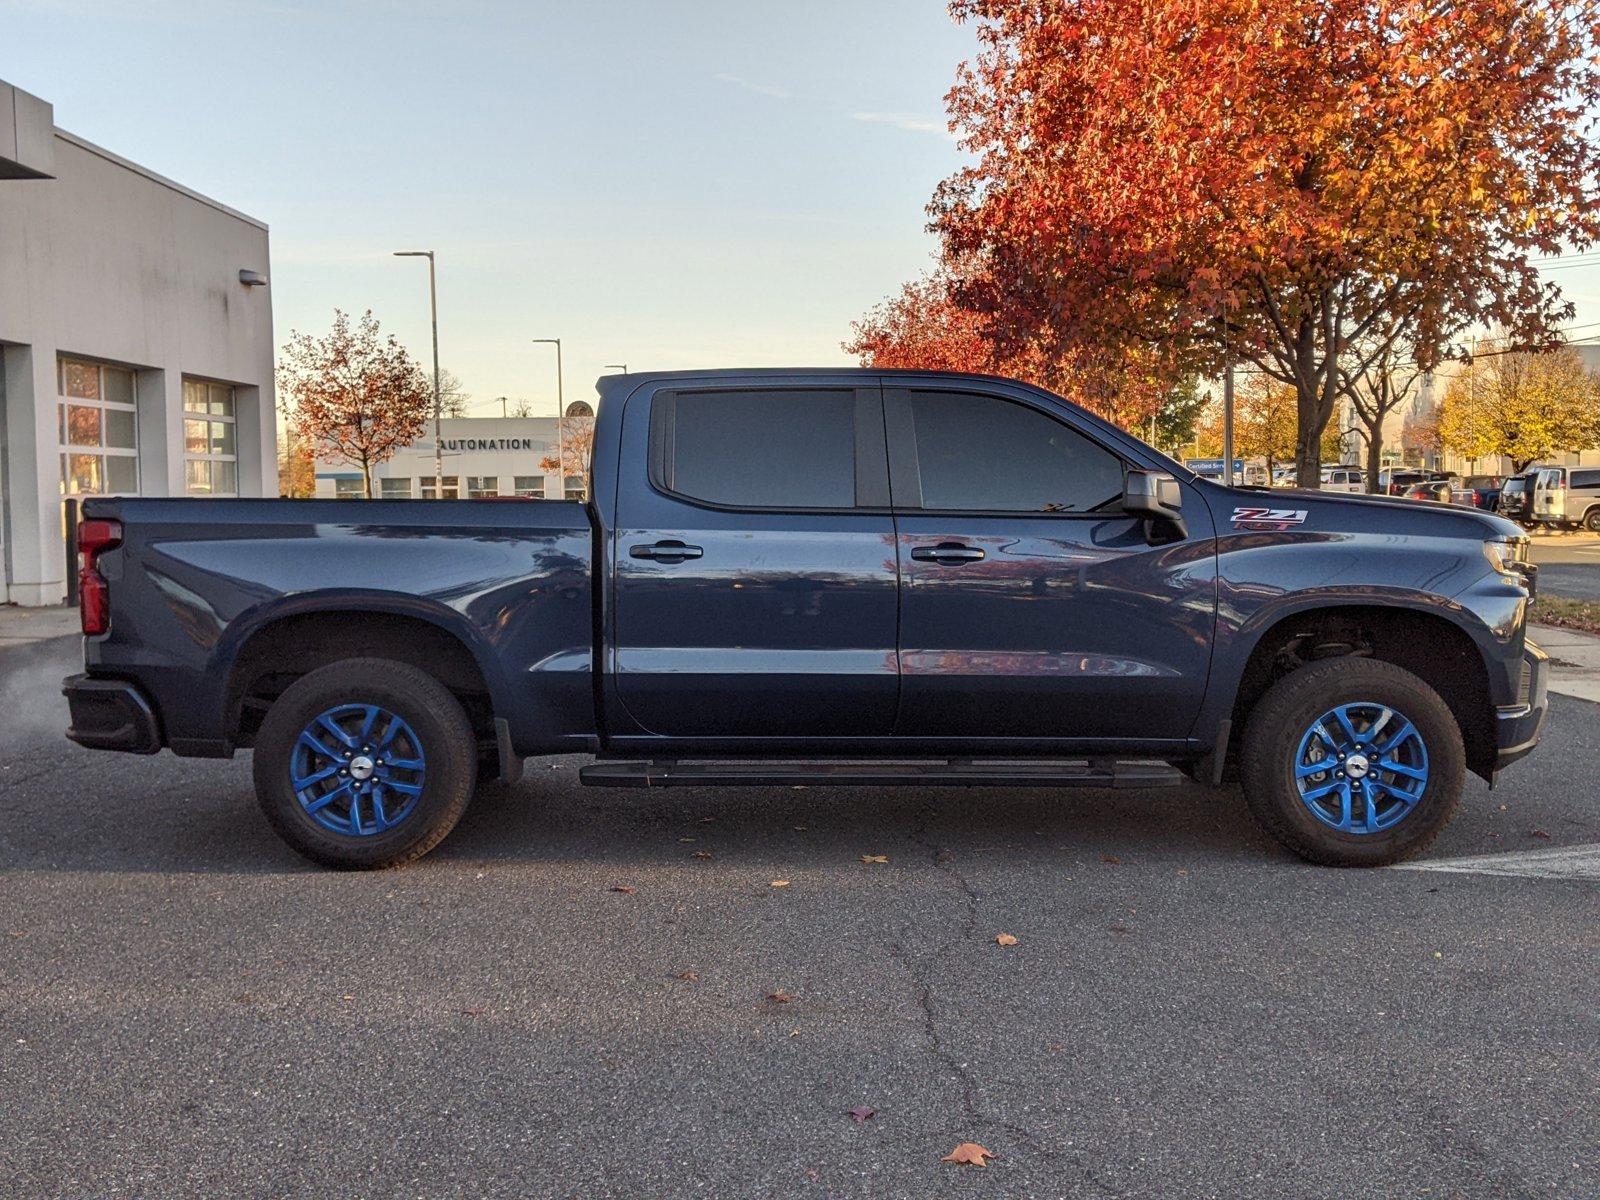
point(823, 577)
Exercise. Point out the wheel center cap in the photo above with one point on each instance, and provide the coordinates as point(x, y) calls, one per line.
point(361, 767)
point(1356, 766)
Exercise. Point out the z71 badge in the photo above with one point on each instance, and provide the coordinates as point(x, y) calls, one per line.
point(1268, 520)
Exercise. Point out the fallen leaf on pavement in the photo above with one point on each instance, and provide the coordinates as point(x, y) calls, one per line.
point(863, 1113)
point(969, 1152)
point(1005, 939)
point(702, 854)
point(780, 883)
point(1112, 859)
point(1118, 928)
point(623, 888)
point(475, 1011)
point(874, 858)
point(780, 997)
point(1538, 833)
point(691, 976)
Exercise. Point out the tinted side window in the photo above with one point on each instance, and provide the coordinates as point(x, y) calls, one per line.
point(760, 449)
point(1586, 479)
point(978, 453)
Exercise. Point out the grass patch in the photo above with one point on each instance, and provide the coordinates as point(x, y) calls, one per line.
point(1566, 614)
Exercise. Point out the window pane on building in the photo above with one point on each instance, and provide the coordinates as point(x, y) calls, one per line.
point(395, 489)
point(225, 478)
point(119, 427)
point(772, 449)
point(118, 385)
point(194, 396)
point(528, 485)
point(222, 437)
point(349, 489)
point(221, 400)
point(80, 380)
point(83, 473)
point(194, 437)
point(197, 477)
point(83, 425)
point(122, 474)
point(482, 485)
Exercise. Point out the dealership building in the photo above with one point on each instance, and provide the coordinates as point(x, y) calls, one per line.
point(136, 345)
point(482, 456)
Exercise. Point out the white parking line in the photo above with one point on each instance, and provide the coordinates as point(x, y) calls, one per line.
point(1564, 862)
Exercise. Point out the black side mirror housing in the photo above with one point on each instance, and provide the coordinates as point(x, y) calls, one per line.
point(1155, 496)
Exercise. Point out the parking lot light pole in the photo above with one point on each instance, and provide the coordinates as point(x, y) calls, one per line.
point(561, 414)
point(438, 408)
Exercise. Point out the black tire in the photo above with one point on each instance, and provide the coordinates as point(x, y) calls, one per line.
point(440, 726)
point(1271, 745)
point(1591, 520)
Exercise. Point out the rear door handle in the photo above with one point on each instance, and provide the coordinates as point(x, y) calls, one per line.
point(665, 552)
point(947, 552)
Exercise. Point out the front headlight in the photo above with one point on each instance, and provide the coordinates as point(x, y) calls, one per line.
point(1508, 556)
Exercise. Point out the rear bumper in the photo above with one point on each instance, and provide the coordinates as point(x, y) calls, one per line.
point(1518, 725)
point(110, 714)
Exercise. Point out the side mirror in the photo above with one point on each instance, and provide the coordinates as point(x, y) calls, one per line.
point(1155, 496)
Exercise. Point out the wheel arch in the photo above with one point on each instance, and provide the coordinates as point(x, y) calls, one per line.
point(1432, 642)
point(286, 641)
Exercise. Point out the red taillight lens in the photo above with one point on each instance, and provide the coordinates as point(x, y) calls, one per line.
point(94, 597)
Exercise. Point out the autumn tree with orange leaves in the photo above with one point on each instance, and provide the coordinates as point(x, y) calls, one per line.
point(353, 395)
point(1173, 183)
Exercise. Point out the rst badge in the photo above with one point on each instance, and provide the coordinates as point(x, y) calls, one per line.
point(1268, 520)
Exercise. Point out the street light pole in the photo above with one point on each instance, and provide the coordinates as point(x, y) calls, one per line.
point(561, 413)
point(438, 405)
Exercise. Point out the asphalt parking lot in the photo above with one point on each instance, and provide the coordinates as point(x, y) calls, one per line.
point(1569, 564)
point(186, 1009)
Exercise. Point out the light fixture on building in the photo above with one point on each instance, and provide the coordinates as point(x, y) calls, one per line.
point(252, 278)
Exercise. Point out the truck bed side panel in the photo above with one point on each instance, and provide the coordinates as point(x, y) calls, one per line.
point(195, 579)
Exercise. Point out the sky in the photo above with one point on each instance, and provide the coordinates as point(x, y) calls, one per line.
point(686, 183)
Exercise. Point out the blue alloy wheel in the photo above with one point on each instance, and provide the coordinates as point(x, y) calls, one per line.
point(357, 770)
point(1361, 768)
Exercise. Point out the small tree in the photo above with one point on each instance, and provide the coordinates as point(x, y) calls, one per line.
point(1180, 413)
point(1521, 405)
point(453, 398)
point(297, 469)
point(1380, 380)
point(355, 396)
point(574, 448)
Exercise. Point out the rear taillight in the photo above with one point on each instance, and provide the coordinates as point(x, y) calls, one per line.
point(94, 597)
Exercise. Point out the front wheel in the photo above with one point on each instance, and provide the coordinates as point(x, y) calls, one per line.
point(1591, 520)
point(1353, 763)
point(365, 763)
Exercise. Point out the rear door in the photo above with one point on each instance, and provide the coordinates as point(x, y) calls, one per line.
point(1031, 605)
point(755, 583)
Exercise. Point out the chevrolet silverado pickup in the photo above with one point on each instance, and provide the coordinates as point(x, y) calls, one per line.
point(823, 577)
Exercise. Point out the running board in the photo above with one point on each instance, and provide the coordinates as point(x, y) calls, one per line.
point(966, 772)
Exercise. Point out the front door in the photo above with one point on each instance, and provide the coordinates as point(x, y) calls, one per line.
point(1031, 606)
point(755, 583)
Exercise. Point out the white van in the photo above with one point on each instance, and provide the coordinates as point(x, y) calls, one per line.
point(1344, 479)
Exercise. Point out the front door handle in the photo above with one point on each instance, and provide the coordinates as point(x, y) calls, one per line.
point(665, 552)
point(947, 552)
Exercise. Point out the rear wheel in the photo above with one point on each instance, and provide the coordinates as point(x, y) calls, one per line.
point(365, 763)
point(1353, 763)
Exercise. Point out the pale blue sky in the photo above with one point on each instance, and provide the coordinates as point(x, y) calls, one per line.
point(670, 184)
point(674, 184)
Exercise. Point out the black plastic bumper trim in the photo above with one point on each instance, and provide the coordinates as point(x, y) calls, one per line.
point(1519, 725)
point(110, 714)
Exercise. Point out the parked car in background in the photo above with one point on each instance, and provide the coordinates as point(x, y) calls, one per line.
point(1439, 490)
point(1481, 491)
point(1344, 479)
point(1395, 481)
point(1565, 497)
point(1516, 499)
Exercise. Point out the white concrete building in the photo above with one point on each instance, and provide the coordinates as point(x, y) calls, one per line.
point(483, 456)
point(135, 338)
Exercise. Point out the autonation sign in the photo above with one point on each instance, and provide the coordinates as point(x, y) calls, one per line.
point(492, 444)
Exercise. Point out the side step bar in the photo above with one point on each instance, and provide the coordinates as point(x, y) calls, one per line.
point(965, 772)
